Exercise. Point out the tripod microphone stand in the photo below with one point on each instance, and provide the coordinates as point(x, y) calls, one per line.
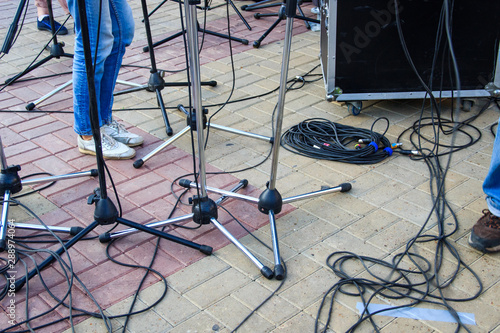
point(56, 50)
point(204, 209)
point(205, 31)
point(270, 201)
point(281, 16)
point(105, 212)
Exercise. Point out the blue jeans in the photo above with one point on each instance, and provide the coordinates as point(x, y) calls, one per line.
point(491, 185)
point(116, 32)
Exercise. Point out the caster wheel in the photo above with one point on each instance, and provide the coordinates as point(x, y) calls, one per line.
point(355, 108)
point(467, 105)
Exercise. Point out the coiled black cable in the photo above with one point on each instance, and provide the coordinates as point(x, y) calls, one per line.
point(323, 139)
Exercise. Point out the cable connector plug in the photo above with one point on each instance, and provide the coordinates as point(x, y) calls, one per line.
point(409, 152)
point(364, 140)
point(396, 145)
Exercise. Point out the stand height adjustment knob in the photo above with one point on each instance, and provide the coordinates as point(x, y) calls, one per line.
point(10, 180)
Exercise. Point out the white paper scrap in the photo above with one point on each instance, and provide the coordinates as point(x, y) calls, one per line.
point(418, 313)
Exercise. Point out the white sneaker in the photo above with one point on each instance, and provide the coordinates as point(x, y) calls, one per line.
point(315, 27)
point(119, 133)
point(315, 10)
point(111, 149)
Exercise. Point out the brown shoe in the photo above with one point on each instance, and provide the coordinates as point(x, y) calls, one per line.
point(485, 234)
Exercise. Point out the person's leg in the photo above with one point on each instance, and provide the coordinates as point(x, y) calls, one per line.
point(122, 27)
point(105, 39)
point(43, 20)
point(485, 234)
point(101, 38)
point(491, 185)
point(315, 9)
point(122, 23)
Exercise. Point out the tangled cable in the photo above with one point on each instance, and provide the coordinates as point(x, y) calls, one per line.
point(323, 139)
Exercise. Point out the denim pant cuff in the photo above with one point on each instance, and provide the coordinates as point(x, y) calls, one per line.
point(493, 207)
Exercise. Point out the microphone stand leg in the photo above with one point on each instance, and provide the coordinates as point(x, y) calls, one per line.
point(140, 162)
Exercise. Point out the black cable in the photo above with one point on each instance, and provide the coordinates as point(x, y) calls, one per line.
point(298, 79)
point(60, 301)
point(326, 140)
point(493, 129)
point(455, 127)
point(149, 267)
point(68, 272)
point(233, 71)
point(425, 282)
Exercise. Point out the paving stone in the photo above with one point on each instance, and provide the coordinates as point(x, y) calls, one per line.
point(301, 322)
point(200, 323)
point(237, 312)
point(217, 287)
point(197, 273)
point(174, 307)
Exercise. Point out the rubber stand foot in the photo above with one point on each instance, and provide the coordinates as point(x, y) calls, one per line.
point(267, 272)
point(105, 237)
point(205, 249)
point(75, 230)
point(186, 183)
point(279, 272)
point(345, 187)
point(30, 106)
point(138, 163)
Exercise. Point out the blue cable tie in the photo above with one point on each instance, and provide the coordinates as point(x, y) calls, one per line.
point(388, 150)
point(374, 145)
